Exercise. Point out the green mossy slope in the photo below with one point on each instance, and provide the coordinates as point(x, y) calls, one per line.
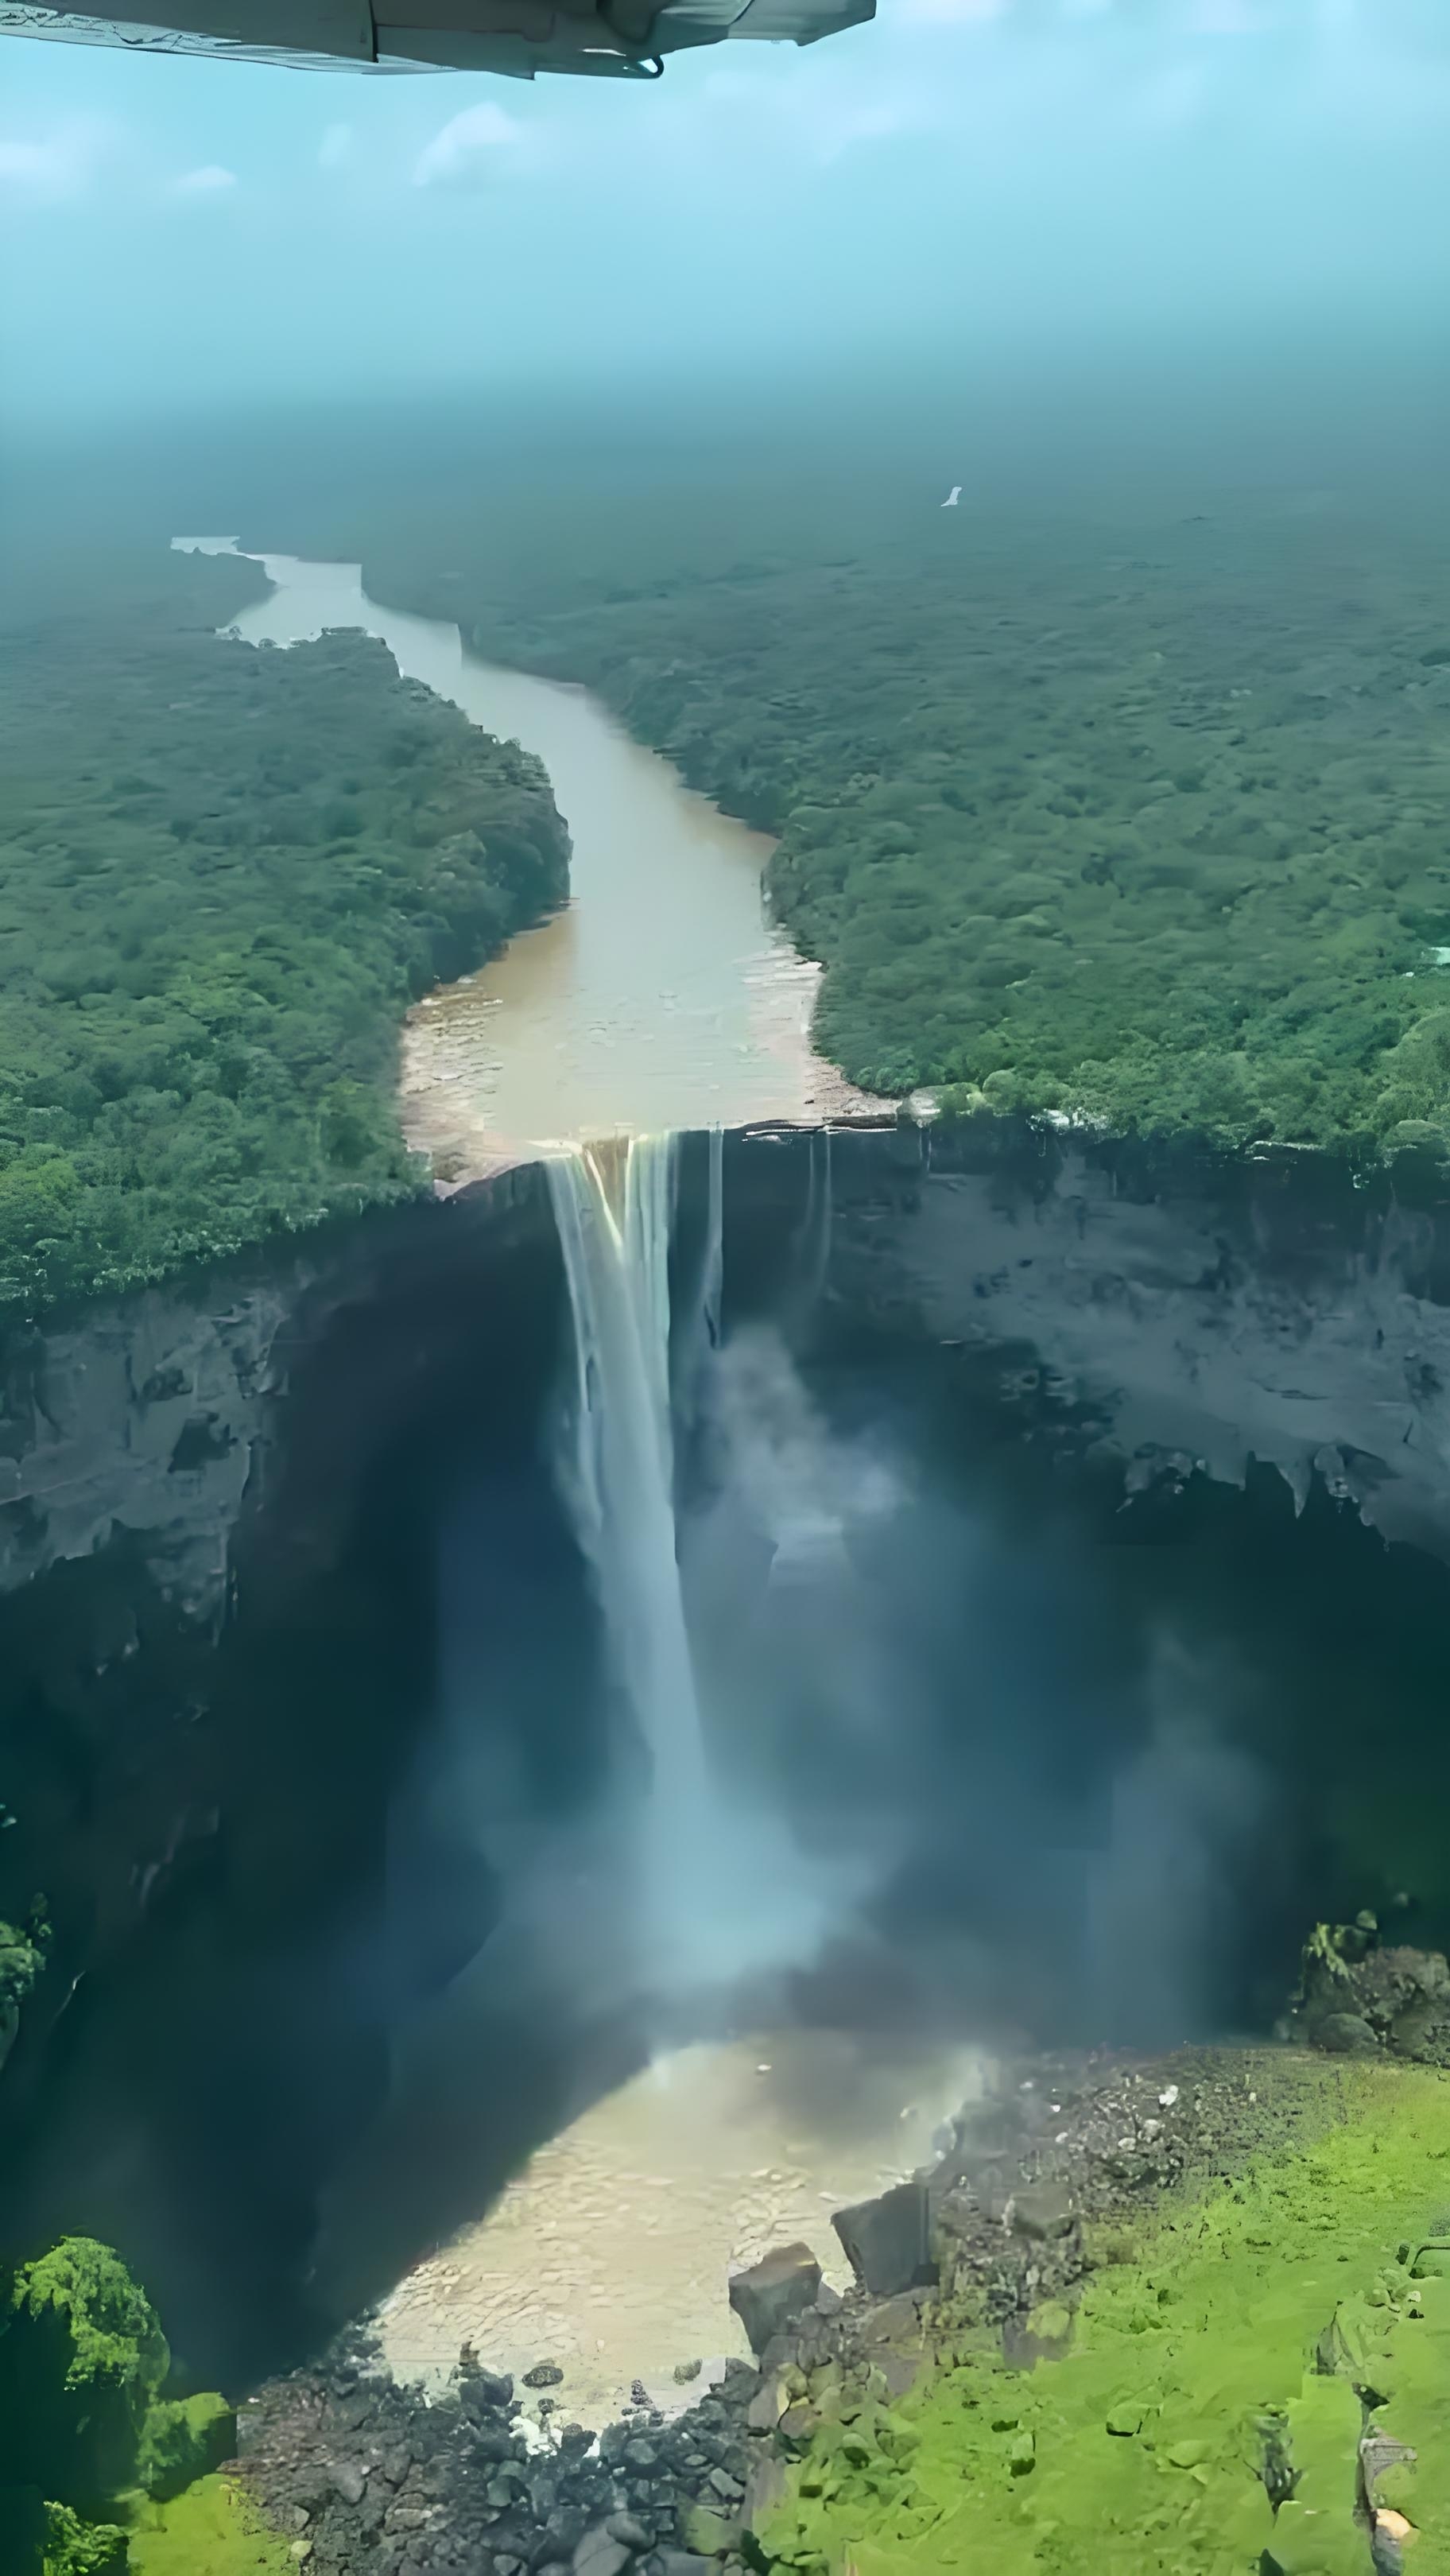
point(211, 2530)
point(99, 2473)
point(1231, 2337)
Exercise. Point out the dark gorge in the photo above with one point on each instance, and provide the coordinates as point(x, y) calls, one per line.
point(1062, 1531)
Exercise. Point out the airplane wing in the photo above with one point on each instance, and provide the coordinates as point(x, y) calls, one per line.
point(619, 38)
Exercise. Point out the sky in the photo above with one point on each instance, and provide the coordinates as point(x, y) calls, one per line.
point(959, 175)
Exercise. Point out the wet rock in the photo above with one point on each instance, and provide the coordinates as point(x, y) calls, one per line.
point(1345, 2034)
point(773, 2293)
point(492, 2442)
point(766, 2408)
point(482, 2389)
point(797, 2425)
point(886, 2241)
point(545, 2374)
point(711, 2534)
point(599, 2554)
point(1041, 2211)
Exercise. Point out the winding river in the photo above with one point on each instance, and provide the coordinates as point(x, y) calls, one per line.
point(662, 996)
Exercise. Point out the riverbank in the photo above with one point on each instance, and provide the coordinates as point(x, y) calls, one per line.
point(226, 876)
point(1251, 2377)
point(1122, 813)
point(1156, 2360)
point(608, 2251)
point(661, 995)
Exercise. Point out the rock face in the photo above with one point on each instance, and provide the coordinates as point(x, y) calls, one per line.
point(181, 1465)
point(887, 2241)
point(771, 2294)
point(151, 1415)
point(1358, 1999)
point(1200, 1309)
point(1203, 1309)
point(143, 1417)
point(184, 1475)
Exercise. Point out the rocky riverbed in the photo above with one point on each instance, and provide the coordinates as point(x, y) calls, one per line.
point(608, 2251)
point(485, 2476)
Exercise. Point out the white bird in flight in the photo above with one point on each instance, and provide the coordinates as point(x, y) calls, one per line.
point(953, 497)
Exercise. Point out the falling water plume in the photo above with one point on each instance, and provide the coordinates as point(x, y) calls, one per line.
point(720, 1888)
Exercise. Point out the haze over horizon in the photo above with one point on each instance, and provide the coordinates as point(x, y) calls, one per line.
point(961, 178)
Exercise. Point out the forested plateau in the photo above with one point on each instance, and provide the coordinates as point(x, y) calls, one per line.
point(225, 871)
point(1134, 819)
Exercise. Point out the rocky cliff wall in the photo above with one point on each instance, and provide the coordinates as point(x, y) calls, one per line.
point(1195, 1311)
point(1185, 1310)
point(149, 1417)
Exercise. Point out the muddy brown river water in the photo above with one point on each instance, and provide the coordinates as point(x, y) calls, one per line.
point(662, 996)
point(610, 2255)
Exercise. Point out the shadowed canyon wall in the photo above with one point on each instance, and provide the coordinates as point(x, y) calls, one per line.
point(1150, 1415)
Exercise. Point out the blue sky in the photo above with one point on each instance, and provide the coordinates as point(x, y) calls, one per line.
point(962, 172)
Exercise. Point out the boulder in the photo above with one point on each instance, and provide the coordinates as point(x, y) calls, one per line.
point(711, 2534)
point(774, 2292)
point(797, 2425)
point(1042, 2211)
point(766, 2408)
point(886, 2241)
point(1345, 2034)
point(600, 2554)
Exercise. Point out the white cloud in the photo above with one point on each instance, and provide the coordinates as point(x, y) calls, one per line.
point(335, 148)
point(211, 180)
point(481, 143)
point(61, 166)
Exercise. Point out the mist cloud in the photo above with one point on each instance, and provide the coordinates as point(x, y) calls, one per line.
point(210, 180)
point(481, 144)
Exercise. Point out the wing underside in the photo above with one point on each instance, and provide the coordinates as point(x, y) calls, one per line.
point(515, 37)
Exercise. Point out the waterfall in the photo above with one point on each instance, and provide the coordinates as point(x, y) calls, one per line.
point(717, 1886)
point(617, 1472)
point(712, 1269)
